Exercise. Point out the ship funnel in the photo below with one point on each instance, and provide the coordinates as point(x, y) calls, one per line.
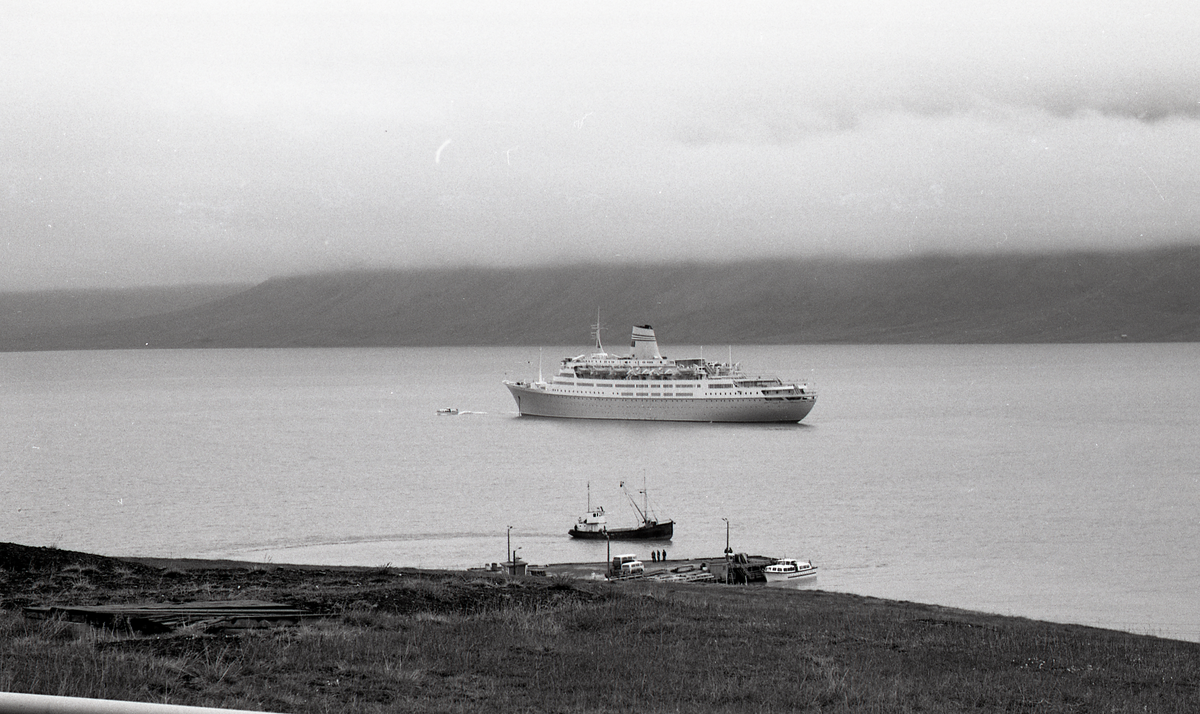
point(644, 344)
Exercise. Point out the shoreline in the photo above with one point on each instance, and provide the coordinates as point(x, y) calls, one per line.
point(582, 571)
point(48, 557)
point(386, 638)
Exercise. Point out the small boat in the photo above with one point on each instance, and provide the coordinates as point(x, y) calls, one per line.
point(594, 526)
point(789, 572)
point(447, 411)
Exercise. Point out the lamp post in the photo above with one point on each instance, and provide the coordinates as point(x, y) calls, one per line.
point(728, 550)
point(511, 566)
point(607, 551)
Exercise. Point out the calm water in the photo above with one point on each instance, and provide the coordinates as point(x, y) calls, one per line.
point(1054, 482)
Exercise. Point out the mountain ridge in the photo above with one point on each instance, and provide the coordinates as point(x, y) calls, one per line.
point(1143, 296)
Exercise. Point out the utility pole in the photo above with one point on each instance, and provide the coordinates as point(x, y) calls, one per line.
point(607, 552)
point(512, 566)
point(728, 550)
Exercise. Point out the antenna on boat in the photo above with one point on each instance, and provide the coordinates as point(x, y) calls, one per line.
point(540, 380)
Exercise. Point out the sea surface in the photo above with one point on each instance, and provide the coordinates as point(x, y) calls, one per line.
point(1055, 482)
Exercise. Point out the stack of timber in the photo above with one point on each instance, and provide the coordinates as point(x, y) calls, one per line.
point(217, 616)
point(679, 575)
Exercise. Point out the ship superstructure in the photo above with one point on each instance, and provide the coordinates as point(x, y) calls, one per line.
point(645, 385)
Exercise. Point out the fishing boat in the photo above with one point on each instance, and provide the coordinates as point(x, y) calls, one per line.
point(789, 572)
point(644, 385)
point(594, 525)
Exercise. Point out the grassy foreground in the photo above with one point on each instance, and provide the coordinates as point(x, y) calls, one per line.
point(422, 641)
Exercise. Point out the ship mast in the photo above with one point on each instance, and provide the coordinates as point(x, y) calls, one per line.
point(596, 332)
point(645, 499)
point(645, 509)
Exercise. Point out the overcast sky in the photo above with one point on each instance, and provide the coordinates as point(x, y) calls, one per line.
point(159, 143)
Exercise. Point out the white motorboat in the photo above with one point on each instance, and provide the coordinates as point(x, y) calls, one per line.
point(790, 572)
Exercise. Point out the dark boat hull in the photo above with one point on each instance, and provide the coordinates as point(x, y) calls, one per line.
point(658, 531)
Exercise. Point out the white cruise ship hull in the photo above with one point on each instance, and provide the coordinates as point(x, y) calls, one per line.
point(542, 400)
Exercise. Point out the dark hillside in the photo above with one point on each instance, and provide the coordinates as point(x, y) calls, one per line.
point(28, 313)
point(1079, 297)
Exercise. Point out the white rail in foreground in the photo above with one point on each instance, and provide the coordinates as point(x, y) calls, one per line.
point(16, 703)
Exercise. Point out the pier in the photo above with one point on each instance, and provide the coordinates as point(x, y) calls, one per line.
point(748, 570)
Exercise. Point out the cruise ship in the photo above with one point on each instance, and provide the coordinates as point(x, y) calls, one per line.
point(646, 386)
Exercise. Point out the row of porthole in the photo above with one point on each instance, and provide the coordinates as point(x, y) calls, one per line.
point(643, 399)
point(635, 394)
point(659, 386)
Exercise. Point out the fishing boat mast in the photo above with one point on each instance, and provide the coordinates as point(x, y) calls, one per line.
point(645, 509)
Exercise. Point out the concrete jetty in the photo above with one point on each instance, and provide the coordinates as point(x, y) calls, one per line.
point(671, 569)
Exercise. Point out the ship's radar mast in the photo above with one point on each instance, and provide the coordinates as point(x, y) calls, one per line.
point(596, 333)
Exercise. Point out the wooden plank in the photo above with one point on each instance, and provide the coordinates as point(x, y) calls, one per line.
point(160, 617)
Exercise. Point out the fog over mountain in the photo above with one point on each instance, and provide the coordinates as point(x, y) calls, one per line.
point(213, 141)
point(1061, 297)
